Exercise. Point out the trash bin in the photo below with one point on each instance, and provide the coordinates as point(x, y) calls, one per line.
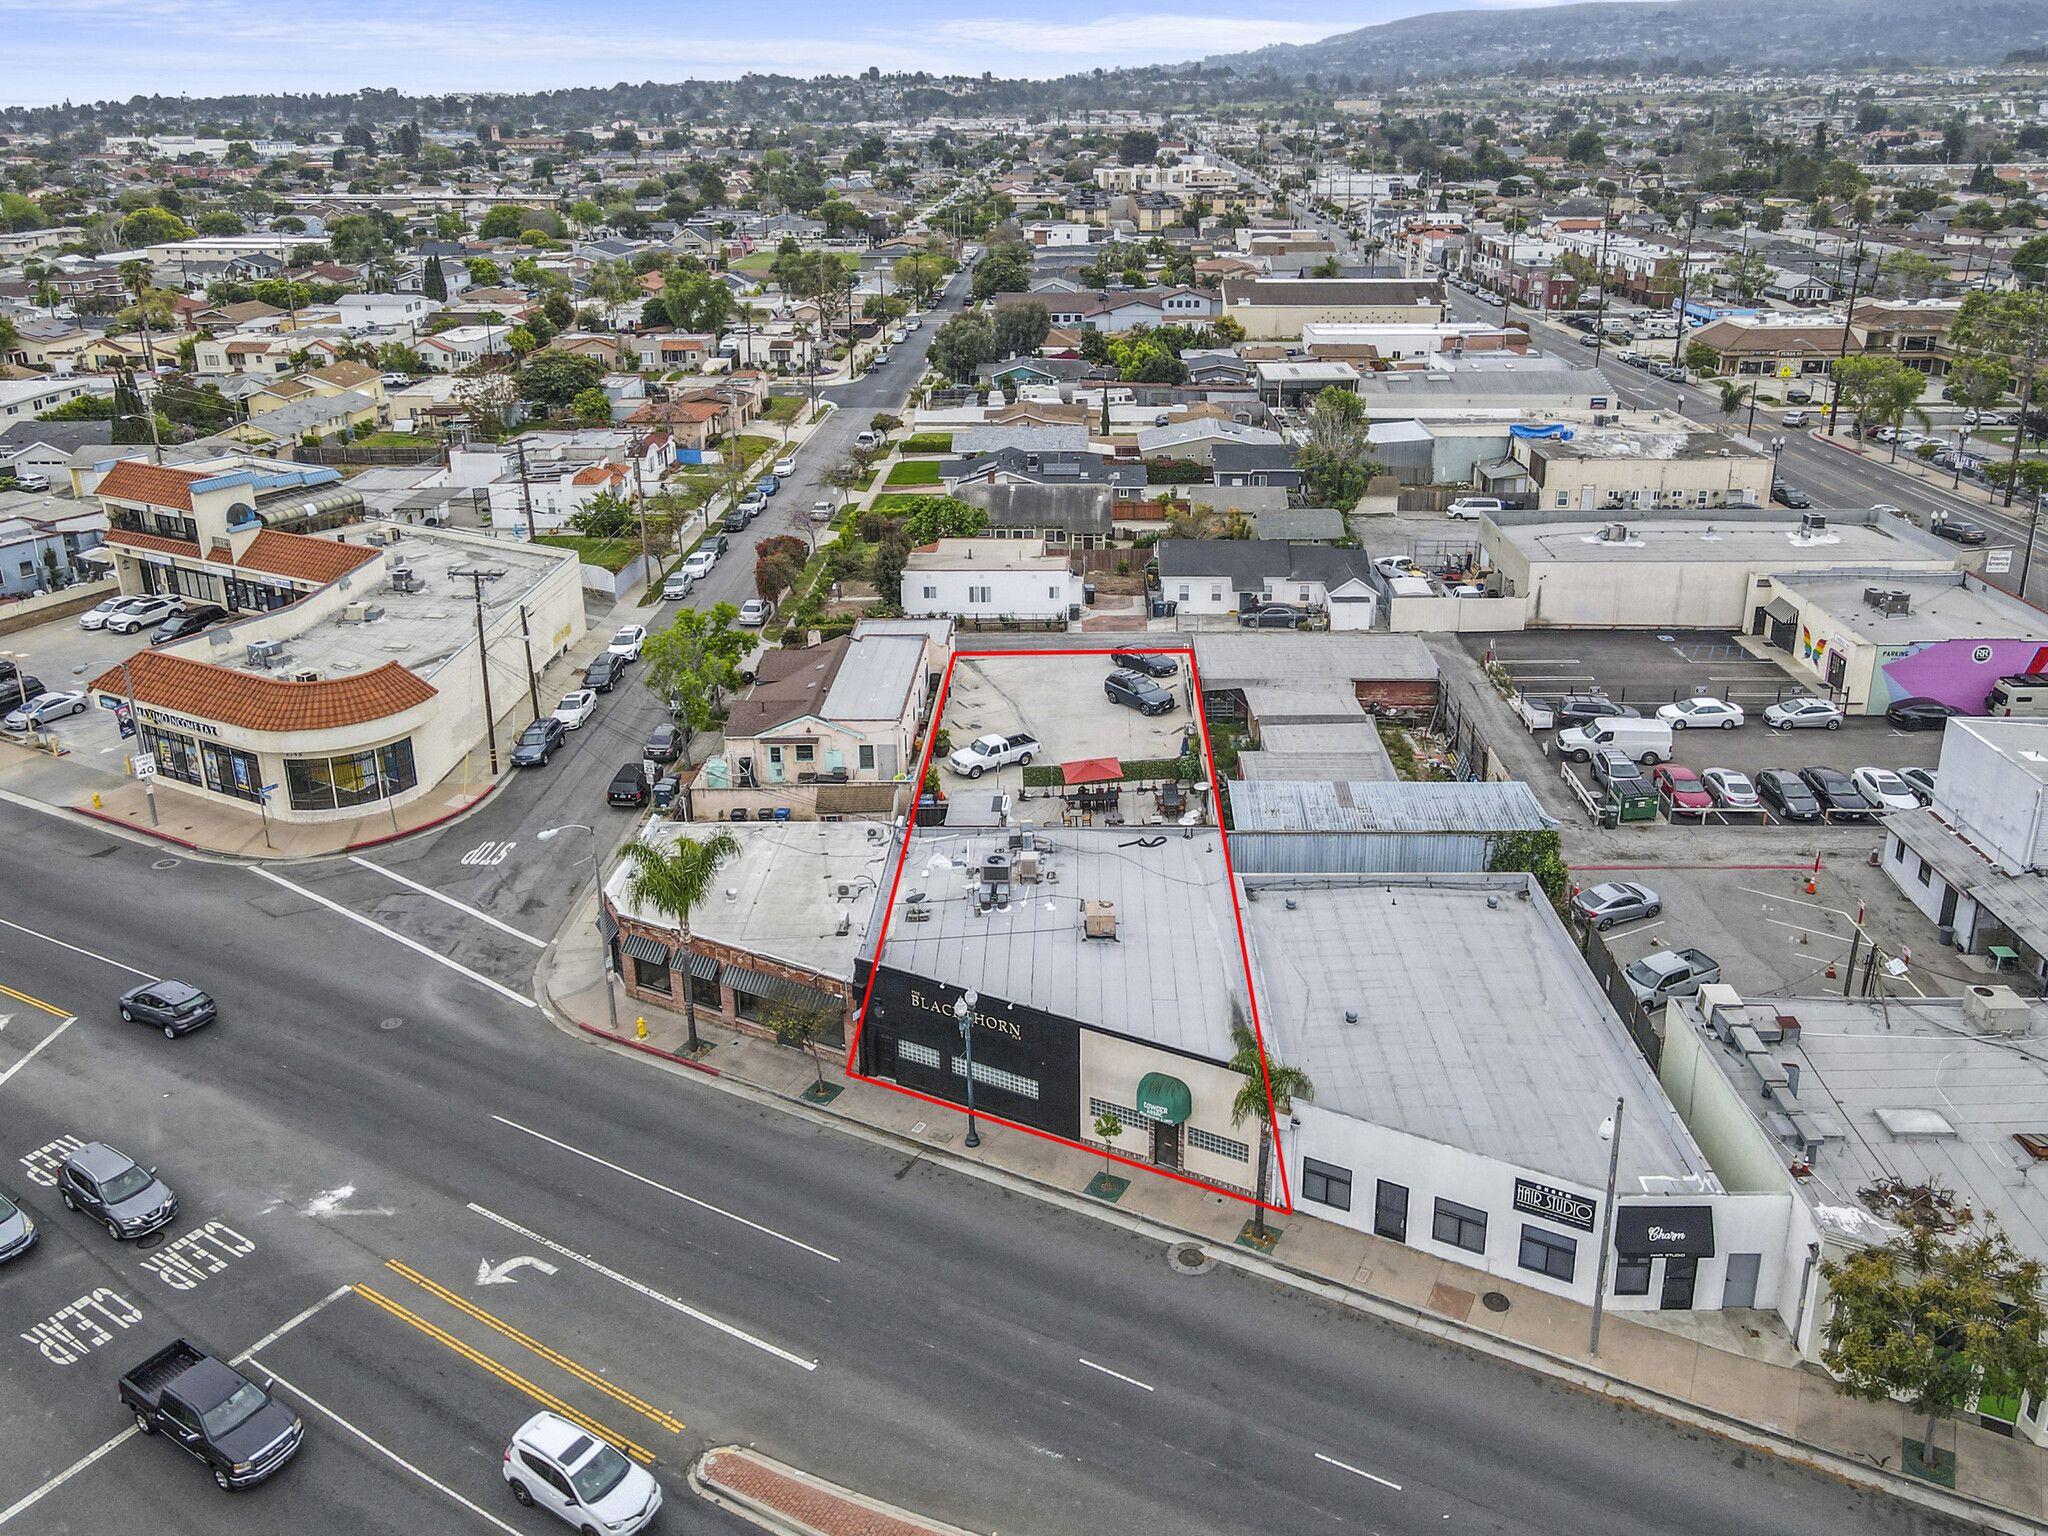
point(1088, 593)
point(666, 788)
point(1158, 608)
point(782, 813)
point(1073, 610)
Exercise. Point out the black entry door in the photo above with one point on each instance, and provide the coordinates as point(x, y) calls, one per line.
point(1679, 1275)
point(1165, 1145)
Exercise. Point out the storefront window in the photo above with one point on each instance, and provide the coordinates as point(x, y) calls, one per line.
point(1549, 1253)
point(747, 1005)
point(177, 756)
point(1631, 1276)
point(704, 993)
point(650, 975)
point(335, 783)
point(1460, 1225)
point(1326, 1184)
point(229, 772)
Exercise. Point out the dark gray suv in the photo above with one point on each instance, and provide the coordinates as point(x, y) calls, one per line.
point(1138, 692)
point(172, 1006)
point(115, 1189)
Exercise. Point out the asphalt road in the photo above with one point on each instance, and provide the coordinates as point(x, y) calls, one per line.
point(855, 1310)
point(382, 1117)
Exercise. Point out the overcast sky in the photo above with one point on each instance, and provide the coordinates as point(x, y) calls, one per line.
point(95, 50)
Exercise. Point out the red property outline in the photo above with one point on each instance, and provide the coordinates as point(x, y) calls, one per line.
point(1286, 1205)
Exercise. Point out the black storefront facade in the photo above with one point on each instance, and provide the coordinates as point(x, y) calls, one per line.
point(1027, 1063)
point(1680, 1235)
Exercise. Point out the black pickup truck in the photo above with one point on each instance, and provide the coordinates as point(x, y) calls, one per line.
point(235, 1427)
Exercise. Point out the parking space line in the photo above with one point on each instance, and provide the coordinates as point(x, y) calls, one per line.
point(396, 937)
point(90, 954)
point(589, 1378)
point(383, 1450)
point(281, 1330)
point(642, 1178)
point(28, 1500)
point(504, 1373)
point(645, 1290)
point(37, 1049)
point(460, 906)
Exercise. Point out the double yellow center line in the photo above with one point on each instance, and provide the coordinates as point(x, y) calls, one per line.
point(666, 1420)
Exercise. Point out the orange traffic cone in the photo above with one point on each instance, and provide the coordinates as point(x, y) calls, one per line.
point(1831, 970)
point(1809, 885)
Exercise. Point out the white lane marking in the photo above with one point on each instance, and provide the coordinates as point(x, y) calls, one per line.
point(665, 1189)
point(37, 1049)
point(1119, 1375)
point(286, 1327)
point(397, 938)
point(78, 1466)
point(488, 1273)
point(460, 906)
point(314, 1403)
point(1372, 1477)
point(89, 954)
point(645, 1290)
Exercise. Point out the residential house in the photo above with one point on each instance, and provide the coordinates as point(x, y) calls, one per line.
point(45, 447)
point(1255, 464)
point(454, 350)
point(405, 312)
point(1114, 309)
point(1060, 517)
point(313, 415)
point(989, 579)
point(1220, 576)
point(23, 400)
point(544, 501)
point(42, 537)
point(1022, 466)
point(848, 711)
point(1197, 439)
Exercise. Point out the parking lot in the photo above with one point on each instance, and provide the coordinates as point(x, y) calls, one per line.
point(64, 657)
point(1644, 671)
point(1058, 699)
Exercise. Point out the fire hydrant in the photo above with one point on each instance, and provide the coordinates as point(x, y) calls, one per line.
point(641, 1028)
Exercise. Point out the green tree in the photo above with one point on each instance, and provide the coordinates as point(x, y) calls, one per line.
point(1020, 327)
point(943, 517)
point(1003, 269)
point(1910, 275)
point(1896, 398)
point(1937, 1319)
point(1977, 383)
point(557, 378)
point(592, 405)
point(1701, 358)
point(961, 344)
point(1540, 854)
point(1342, 404)
point(357, 238)
point(923, 273)
point(1734, 397)
point(397, 357)
point(484, 272)
point(220, 222)
point(674, 882)
point(153, 226)
point(1270, 1089)
point(2030, 260)
point(693, 664)
point(1335, 463)
point(607, 515)
point(2033, 479)
point(799, 1025)
point(519, 341)
point(502, 222)
point(1138, 146)
point(131, 421)
point(434, 281)
point(1585, 148)
point(1747, 273)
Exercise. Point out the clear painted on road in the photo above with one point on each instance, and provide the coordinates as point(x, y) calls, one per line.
point(1119, 1375)
point(716, 1210)
point(1371, 1477)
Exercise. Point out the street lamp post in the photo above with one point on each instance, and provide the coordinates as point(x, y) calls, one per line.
point(963, 1010)
point(611, 1000)
point(1777, 447)
point(1610, 1131)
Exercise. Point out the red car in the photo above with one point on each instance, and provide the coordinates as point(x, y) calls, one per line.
point(1681, 790)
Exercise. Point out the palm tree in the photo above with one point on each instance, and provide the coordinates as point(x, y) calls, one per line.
point(1896, 398)
point(1266, 1081)
point(674, 882)
point(1735, 396)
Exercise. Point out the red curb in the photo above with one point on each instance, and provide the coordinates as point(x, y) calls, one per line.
point(133, 826)
point(1837, 443)
point(655, 1050)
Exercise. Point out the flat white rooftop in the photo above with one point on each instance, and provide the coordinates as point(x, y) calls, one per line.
point(1659, 541)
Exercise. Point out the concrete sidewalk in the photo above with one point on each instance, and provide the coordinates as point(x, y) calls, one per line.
point(1731, 1372)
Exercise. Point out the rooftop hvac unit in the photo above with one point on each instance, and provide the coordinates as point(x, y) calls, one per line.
point(356, 613)
point(1615, 533)
point(1098, 919)
point(1813, 522)
point(1996, 1010)
point(303, 675)
point(1893, 603)
point(264, 653)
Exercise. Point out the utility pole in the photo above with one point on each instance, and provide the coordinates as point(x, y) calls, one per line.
point(640, 505)
point(479, 575)
point(1848, 318)
point(532, 678)
point(1684, 281)
point(134, 719)
point(1600, 276)
point(2019, 431)
point(525, 492)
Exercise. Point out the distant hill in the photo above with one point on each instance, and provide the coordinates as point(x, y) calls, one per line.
point(1753, 33)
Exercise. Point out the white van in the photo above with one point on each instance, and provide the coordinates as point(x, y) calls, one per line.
point(1473, 506)
point(1647, 741)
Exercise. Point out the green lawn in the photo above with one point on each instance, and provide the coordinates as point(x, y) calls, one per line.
point(393, 440)
point(914, 472)
point(928, 442)
point(609, 554)
point(760, 261)
point(783, 408)
point(896, 506)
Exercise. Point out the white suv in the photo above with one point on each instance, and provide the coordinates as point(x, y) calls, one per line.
point(584, 1481)
point(698, 566)
point(142, 613)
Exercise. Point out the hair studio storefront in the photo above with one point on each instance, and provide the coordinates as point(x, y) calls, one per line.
point(311, 751)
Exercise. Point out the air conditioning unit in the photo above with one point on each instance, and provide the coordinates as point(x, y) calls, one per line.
point(376, 536)
point(1615, 533)
point(1098, 919)
point(355, 613)
point(1996, 1010)
point(1813, 522)
point(303, 675)
point(264, 653)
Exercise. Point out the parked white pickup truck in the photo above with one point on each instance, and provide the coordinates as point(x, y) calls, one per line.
point(986, 752)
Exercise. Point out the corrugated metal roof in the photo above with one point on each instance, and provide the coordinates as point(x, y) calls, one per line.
point(1269, 805)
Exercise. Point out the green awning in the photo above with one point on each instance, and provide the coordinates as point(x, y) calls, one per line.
point(1164, 1098)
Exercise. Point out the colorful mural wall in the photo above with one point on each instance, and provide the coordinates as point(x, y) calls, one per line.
point(1961, 672)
